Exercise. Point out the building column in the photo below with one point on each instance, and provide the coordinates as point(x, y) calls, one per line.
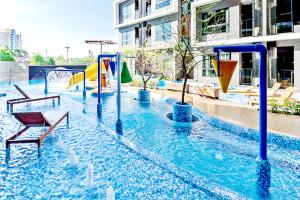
point(264, 17)
point(297, 65)
point(235, 80)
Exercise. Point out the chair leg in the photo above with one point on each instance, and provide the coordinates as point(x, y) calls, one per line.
point(53, 102)
point(68, 119)
point(7, 150)
point(11, 108)
point(58, 100)
point(39, 148)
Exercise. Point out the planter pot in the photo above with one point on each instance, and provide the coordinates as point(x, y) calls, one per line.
point(161, 84)
point(182, 112)
point(144, 95)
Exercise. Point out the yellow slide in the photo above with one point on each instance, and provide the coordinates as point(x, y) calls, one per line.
point(90, 74)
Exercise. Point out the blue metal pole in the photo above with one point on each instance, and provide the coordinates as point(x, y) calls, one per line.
point(99, 107)
point(84, 87)
point(46, 82)
point(119, 128)
point(263, 101)
point(263, 165)
point(219, 63)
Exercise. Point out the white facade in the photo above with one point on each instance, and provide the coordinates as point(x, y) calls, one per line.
point(262, 21)
point(10, 39)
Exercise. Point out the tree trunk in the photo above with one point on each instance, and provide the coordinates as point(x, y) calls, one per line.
point(183, 90)
point(145, 85)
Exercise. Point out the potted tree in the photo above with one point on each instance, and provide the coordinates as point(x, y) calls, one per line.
point(147, 63)
point(188, 58)
point(182, 111)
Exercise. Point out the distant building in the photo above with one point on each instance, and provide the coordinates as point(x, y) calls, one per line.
point(10, 39)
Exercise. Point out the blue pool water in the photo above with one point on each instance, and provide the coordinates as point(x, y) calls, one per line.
point(155, 159)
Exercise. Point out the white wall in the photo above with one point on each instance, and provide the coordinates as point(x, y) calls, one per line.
point(11, 71)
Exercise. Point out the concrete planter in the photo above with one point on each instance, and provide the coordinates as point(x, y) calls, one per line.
point(161, 84)
point(182, 112)
point(144, 95)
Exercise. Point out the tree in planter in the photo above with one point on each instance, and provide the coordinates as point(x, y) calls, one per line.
point(187, 56)
point(148, 63)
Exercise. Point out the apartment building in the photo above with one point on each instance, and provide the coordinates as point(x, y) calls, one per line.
point(10, 39)
point(151, 24)
point(276, 23)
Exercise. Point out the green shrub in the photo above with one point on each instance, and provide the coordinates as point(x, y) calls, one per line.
point(274, 107)
point(291, 107)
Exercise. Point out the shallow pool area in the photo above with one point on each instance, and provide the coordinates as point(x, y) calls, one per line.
point(155, 158)
point(234, 98)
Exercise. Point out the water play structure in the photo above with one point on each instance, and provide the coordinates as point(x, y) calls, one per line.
point(80, 76)
point(123, 77)
point(263, 165)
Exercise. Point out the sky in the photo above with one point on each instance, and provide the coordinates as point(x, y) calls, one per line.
point(48, 26)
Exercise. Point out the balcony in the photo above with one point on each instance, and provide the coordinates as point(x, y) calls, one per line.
point(151, 13)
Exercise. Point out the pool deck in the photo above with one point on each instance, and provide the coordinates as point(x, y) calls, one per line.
point(243, 115)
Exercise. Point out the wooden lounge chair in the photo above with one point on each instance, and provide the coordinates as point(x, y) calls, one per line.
point(35, 119)
point(247, 90)
point(209, 92)
point(280, 99)
point(272, 92)
point(177, 86)
point(27, 99)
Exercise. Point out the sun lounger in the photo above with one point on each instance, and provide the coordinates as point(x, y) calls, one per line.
point(206, 91)
point(247, 90)
point(280, 99)
point(272, 92)
point(27, 99)
point(177, 86)
point(35, 119)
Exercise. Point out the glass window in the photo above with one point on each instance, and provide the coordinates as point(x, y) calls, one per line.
point(126, 38)
point(163, 32)
point(162, 3)
point(208, 69)
point(247, 23)
point(284, 16)
point(127, 12)
point(215, 22)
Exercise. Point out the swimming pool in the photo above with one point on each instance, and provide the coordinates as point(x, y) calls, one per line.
point(156, 158)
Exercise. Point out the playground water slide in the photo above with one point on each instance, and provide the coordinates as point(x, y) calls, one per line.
point(90, 74)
